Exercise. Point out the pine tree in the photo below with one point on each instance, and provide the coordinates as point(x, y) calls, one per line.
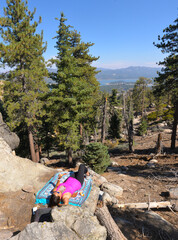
point(88, 86)
point(140, 95)
point(22, 51)
point(115, 115)
point(73, 93)
point(167, 80)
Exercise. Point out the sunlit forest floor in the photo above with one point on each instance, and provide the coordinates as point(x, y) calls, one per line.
point(142, 183)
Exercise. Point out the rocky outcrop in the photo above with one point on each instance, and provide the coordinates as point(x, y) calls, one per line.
point(17, 173)
point(46, 231)
point(24, 177)
point(113, 189)
point(10, 138)
point(69, 222)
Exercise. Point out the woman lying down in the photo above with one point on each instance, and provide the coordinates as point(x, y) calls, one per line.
point(64, 191)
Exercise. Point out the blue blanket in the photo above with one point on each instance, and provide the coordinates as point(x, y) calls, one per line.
point(43, 195)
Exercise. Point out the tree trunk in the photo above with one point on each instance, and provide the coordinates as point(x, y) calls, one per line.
point(159, 144)
point(143, 205)
point(31, 142)
point(69, 155)
point(130, 135)
point(124, 115)
point(81, 129)
point(174, 128)
point(95, 135)
point(37, 153)
point(103, 130)
point(105, 218)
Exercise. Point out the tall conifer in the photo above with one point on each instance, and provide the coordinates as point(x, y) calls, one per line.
point(167, 80)
point(22, 51)
point(73, 94)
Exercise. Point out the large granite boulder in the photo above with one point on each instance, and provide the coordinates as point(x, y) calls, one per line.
point(113, 189)
point(17, 173)
point(11, 138)
point(46, 231)
point(69, 222)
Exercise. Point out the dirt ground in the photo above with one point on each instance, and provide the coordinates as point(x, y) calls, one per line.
point(142, 183)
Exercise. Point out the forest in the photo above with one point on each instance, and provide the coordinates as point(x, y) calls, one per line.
point(73, 112)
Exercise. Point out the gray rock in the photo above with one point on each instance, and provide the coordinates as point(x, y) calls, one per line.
point(46, 231)
point(15, 174)
point(3, 220)
point(108, 199)
point(82, 222)
point(44, 160)
point(153, 161)
point(10, 138)
point(5, 234)
point(67, 214)
point(89, 228)
point(81, 219)
point(87, 209)
point(98, 179)
point(91, 203)
point(69, 222)
point(174, 203)
point(173, 193)
point(114, 164)
point(150, 165)
point(112, 189)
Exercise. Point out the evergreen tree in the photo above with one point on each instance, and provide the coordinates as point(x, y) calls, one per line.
point(22, 51)
point(73, 95)
point(167, 80)
point(128, 117)
point(97, 157)
point(140, 95)
point(115, 115)
point(88, 86)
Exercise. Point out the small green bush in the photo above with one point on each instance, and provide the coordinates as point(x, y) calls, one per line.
point(97, 157)
point(143, 127)
point(152, 117)
point(168, 115)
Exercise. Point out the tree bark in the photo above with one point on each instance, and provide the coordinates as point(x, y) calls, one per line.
point(130, 135)
point(37, 153)
point(104, 122)
point(69, 155)
point(105, 218)
point(31, 142)
point(81, 129)
point(159, 144)
point(144, 205)
point(174, 128)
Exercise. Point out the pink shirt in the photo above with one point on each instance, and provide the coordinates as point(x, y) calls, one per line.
point(71, 185)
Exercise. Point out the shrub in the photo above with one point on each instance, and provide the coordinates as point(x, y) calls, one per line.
point(111, 143)
point(97, 157)
point(143, 127)
point(152, 117)
point(168, 115)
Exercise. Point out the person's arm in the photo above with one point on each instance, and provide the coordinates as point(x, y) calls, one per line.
point(65, 202)
point(58, 182)
point(74, 194)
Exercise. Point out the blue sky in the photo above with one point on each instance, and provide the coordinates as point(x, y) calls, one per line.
point(123, 31)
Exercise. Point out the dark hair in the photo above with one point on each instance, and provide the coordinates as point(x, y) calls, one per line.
point(54, 200)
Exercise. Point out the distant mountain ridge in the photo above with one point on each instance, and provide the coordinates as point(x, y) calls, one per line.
point(123, 73)
point(127, 73)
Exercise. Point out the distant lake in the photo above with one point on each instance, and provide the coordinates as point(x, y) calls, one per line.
point(110, 82)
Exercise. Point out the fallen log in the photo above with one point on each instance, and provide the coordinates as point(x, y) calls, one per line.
point(105, 218)
point(144, 205)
